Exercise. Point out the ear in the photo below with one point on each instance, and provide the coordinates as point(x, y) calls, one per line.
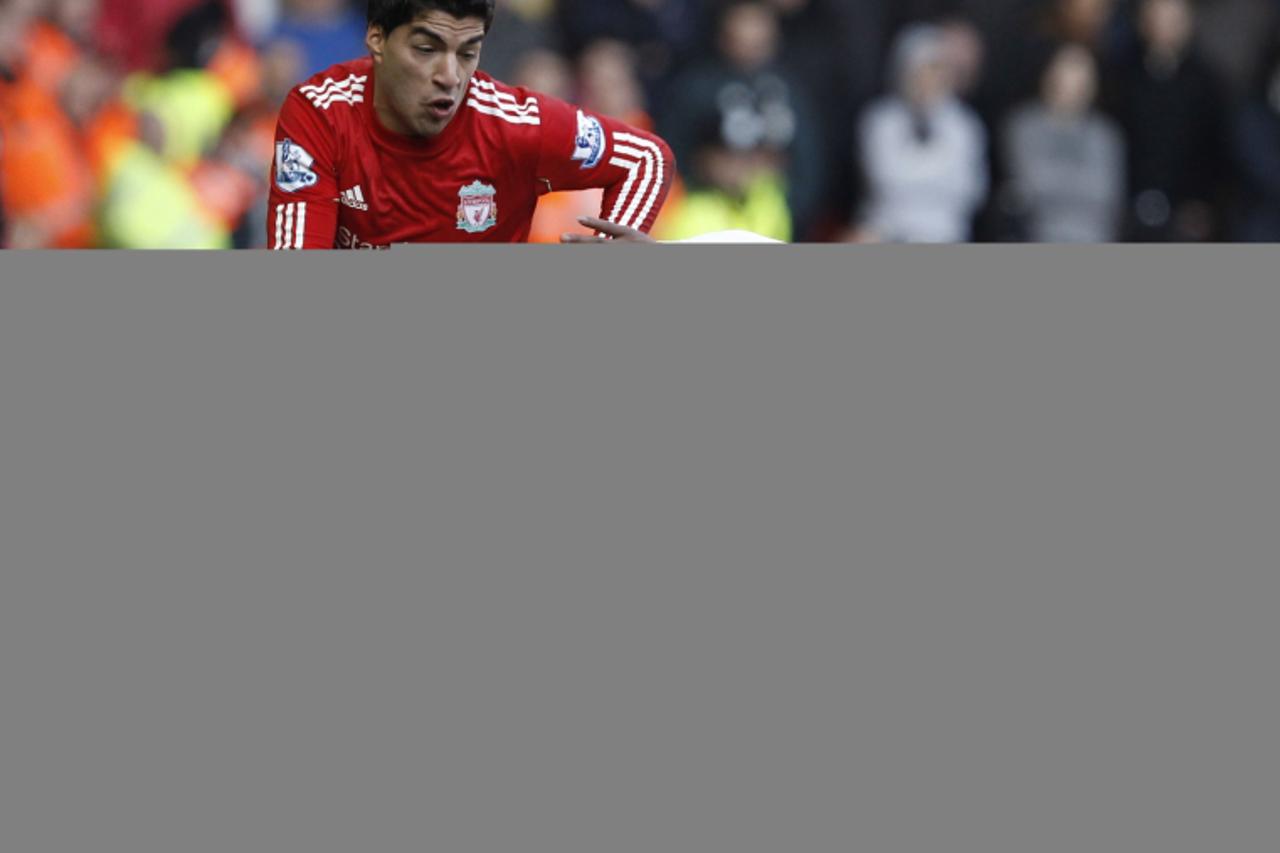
point(376, 40)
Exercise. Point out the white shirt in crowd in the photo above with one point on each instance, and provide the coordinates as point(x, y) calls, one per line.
point(923, 189)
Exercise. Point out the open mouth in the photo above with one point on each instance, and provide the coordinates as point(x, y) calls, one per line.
point(440, 108)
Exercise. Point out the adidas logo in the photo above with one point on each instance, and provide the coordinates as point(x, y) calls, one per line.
point(354, 198)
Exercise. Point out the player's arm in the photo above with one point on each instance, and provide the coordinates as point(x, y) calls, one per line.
point(303, 206)
point(585, 151)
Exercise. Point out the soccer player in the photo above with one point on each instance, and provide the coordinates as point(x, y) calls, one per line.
point(414, 144)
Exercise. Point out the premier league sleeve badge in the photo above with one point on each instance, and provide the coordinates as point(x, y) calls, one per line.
point(294, 167)
point(588, 144)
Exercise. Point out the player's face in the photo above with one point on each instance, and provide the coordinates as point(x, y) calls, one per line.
point(423, 69)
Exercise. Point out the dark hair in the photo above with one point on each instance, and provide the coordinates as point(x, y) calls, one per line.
point(390, 14)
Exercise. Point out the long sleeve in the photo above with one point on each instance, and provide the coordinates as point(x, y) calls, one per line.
point(583, 151)
point(303, 207)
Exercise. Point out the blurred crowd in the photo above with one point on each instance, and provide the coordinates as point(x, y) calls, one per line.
point(149, 123)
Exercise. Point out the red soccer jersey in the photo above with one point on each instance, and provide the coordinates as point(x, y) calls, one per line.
point(342, 180)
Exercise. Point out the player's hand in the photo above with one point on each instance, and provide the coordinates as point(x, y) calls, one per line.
point(607, 232)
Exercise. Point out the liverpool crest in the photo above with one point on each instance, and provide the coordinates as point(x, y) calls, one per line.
point(478, 208)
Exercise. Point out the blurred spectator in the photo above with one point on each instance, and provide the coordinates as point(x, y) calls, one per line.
point(326, 32)
point(195, 37)
point(520, 27)
point(608, 83)
point(1233, 38)
point(228, 181)
point(1028, 41)
point(905, 13)
point(665, 33)
point(133, 34)
point(48, 190)
point(15, 19)
point(4, 223)
point(759, 102)
point(138, 162)
point(1066, 160)
point(76, 18)
point(149, 203)
point(545, 71)
point(165, 187)
point(257, 18)
point(191, 108)
point(834, 46)
point(835, 50)
point(47, 186)
point(1089, 23)
point(735, 183)
point(1170, 106)
point(923, 151)
point(282, 64)
point(1257, 151)
point(964, 52)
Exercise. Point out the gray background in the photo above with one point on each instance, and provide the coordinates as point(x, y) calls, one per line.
point(752, 549)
